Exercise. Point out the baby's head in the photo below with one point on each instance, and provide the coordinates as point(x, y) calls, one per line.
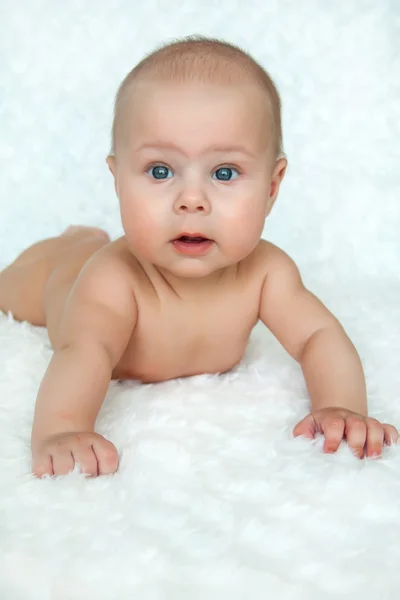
point(196, 148)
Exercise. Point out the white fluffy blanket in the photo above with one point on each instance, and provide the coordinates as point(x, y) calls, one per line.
point(213, 497)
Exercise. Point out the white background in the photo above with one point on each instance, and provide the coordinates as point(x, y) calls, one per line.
point(336, 65)
point(213, 498)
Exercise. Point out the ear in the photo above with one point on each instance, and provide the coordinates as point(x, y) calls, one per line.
point(110, 160)
point(112, 165)
point(276, 180)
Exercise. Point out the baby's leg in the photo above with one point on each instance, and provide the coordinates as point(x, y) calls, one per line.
point(23, 282)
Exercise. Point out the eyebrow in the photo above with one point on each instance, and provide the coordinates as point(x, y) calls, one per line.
point(215, 148)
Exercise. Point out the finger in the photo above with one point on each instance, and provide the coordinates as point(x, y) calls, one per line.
point(306, 427)
point(356, 435)
point(333, 430)
point(63, 461)
point(391, 435)
point(42, 465)
point(87, 459)
point(107, 456)
point(375, 437)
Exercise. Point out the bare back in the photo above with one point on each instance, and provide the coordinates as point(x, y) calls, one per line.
point(175, 338)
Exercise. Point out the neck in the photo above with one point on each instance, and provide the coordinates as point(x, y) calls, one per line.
point(191, 288)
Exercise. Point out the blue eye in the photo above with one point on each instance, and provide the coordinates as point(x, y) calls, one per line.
point(160, 172)
point(225, 173)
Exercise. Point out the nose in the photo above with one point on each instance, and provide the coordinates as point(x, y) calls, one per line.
point(192, 199)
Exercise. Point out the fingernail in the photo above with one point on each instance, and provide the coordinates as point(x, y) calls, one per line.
point(375, 455)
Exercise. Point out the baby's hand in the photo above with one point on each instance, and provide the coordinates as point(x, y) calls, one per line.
point(57, 454)
point(361, 433)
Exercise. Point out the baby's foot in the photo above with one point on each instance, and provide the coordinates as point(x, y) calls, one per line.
point(86, 231)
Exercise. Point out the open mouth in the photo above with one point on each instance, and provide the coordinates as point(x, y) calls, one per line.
point(192, 244)
point(192, 239)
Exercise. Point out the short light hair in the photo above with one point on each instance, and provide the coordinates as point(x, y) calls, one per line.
point(203, 59)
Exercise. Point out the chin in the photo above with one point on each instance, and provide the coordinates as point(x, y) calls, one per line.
point(191, 271)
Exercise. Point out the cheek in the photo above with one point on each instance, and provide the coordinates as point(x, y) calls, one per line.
point(145, 222)
point(247, 221)
point(137, 221)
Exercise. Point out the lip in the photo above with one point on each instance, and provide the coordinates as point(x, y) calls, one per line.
point(186, 234)
point(190, 249)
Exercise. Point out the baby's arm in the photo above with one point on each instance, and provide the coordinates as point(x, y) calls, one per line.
point(94, 331)
point(330, 362)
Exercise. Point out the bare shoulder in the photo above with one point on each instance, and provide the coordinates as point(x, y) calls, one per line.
point(113, 264)
point(270, 261)
point(108, 278)
point(289, 310)
point(102, 302)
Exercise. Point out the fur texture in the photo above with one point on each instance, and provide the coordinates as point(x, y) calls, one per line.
point(214, 498)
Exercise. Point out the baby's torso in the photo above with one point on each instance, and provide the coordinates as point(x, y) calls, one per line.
point(174, 338)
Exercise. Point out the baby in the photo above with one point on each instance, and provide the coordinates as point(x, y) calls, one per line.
point(197, 163)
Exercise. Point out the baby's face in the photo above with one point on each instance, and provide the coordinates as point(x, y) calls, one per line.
point(195, 159)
